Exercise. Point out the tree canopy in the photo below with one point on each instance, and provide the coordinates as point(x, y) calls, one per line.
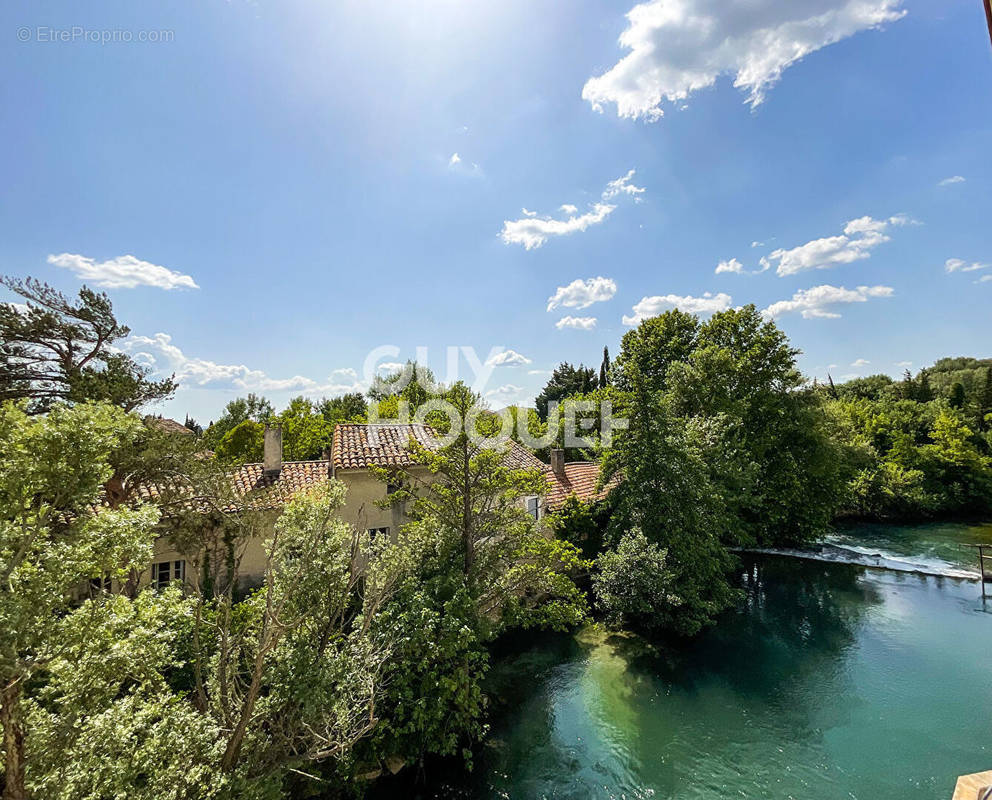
point(53, 349)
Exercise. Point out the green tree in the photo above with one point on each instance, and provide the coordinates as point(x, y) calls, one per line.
point(604, 369)
point(252, 408)
point(633, 583)
point(243, 443)
point(484, 567)
point(349, 407)
point(565, 381)
point(54, 537)
point(985, 401)
point(957, 399)
point(306, 432)
point(56, 350)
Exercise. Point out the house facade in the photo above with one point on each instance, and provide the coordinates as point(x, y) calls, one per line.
point(356, 448)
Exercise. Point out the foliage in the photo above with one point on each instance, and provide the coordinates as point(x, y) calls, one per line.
point(252, 408)
point(484, 567)
point(633, 583)
point(913, 459)
point(245, 442)
point(565, 381)
point(54, 537)
point(106, 722)
point(582, 523)
point(56, 350)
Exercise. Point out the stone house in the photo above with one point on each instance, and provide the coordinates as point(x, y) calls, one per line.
point(355, 449)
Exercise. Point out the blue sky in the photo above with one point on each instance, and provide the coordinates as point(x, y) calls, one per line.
point(294, 162)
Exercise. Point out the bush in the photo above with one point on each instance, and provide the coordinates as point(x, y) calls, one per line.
point(633, 584)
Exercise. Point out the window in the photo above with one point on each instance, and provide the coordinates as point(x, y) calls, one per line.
point(534, 507)
point(373, 532)
point(98, 585)
point(165, 572)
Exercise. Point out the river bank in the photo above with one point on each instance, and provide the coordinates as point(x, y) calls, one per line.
point(831, 680)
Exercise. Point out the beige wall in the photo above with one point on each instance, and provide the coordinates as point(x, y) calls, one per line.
point(360, 511)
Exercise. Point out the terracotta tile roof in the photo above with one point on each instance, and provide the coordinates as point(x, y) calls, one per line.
point(579, 478)
point(352, 449)
point(276, 491)
point(362, 446)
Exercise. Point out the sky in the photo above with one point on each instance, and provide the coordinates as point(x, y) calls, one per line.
point(282, 197)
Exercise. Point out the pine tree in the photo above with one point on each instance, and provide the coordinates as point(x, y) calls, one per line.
point(604, 369)
point(924, 393)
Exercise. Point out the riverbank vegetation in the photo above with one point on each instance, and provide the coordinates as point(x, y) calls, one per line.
point(356, 653)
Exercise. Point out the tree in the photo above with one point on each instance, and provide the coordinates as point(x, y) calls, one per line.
point(604, 369)
point(957, 399)
point(647, 351)
point(55, 350)
point(306, 432)
point(565, 381)
point(243, 443)
point(985, 401)
point(774, 454)
point(349, 407)
point(54, 537)
point(242, 409)
point(633, 582)
point(484, 567)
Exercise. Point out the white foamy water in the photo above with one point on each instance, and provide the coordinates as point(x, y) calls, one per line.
point(838, 551)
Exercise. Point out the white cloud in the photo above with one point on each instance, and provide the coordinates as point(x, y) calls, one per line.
point(733, 265)
point(984, 279)
point(653, 306)
point(756, 243)
point(534, 230)
point(582, 293)
point(579, 323)
point(505, 395)
point(123, 272)
point(507, 358)
point(678, 47)
point(859, 238)
point(860, 362)
point(390, 366)
point(457, 164)
point(904, 364)
point(20, 308)
point(160, 354)
point(622, 186)
point(952, 180)
point(539, 372)
point(960, 265)
point(816, 302)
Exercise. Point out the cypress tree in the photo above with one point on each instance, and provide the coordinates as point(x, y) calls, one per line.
point(604, 369)
point(924, 393)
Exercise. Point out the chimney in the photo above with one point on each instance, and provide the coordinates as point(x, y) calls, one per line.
point(558, 461)
point(272, 460)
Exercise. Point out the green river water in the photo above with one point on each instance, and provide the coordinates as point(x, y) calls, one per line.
point(832, 681)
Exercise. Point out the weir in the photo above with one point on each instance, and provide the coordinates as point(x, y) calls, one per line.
point(835, 554)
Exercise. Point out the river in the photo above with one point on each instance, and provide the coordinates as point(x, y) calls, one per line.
point(831, 681)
